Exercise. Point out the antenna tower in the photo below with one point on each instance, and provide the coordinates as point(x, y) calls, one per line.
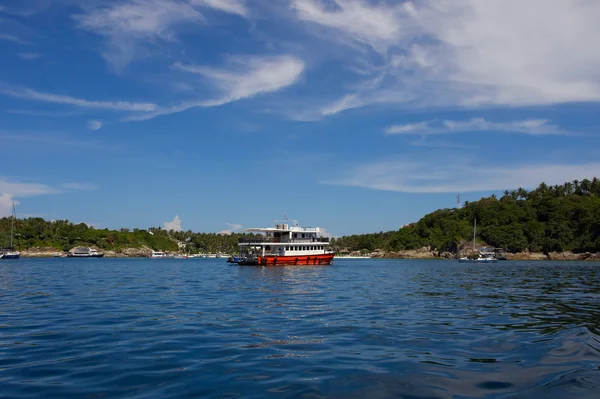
point(458, 201)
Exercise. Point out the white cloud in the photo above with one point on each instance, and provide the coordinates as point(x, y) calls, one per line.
point(325, 233)
point(10, 190)
point(245, 77)
point(174, 224)
point(94, 124)
point(467, 53)
point(251, 75)
point(456, 175)
point(229, 6)
point(232, 228)
point(12, 38)
point(29, 56)
point(80, 186)
point(40, 113)
point(128, 25)
point(30, 94)
point(376, 26)
point(527, 126)
point(134, 28)
point(24, 189)
point(6, 204)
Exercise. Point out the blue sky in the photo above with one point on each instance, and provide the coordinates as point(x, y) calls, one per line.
point(356, 116)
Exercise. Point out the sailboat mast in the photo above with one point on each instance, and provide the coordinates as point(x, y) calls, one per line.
point(474, 232)
point(12, 225)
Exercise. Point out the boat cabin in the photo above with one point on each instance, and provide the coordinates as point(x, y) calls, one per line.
point(284, 239)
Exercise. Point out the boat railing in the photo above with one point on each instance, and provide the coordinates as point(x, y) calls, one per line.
point(285, 240)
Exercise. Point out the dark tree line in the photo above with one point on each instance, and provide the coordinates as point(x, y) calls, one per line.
point(64, 235)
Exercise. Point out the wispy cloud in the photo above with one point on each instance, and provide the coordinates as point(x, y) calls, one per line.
point(466, 53)
point(229, 6)
point(526, 126)
point(29, 56)
point(376, 26)
point(243, 77)
point(94, 124)
point(12, 38)
point(251, 75)
point(232, 228)
point(174, 224)
point(40, 113)
point(14, 31)
point(80, 186)
point(55, 139)
point(30, 94)
point(24, 189)
point(10, 190)
point(439, 176)
point(133, 27)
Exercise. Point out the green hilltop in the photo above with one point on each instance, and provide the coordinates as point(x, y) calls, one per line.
point(548, 219)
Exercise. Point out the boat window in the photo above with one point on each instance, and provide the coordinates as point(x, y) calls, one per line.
point(268, 248)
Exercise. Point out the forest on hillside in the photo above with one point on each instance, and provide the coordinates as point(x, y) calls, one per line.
point(64, 235)
point(549, 218)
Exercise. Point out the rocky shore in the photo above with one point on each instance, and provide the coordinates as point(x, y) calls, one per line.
point(46, 252)
point(423, 253)
point(427, 253)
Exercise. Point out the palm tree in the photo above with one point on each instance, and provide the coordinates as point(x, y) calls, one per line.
point(576, 187)
point(522, 193)
point(586, 186)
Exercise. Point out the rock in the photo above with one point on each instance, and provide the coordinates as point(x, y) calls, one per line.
point(40, 252)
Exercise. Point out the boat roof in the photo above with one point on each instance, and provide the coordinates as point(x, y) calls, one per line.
point(284, 226)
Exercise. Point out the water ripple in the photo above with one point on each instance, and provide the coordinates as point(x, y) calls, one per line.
point(135, 328)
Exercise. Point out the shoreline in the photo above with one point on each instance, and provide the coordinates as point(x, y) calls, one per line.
point(411, 254)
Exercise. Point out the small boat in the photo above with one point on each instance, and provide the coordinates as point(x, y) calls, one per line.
point(481, 258)
point(10, 253)
point(180, 257)
point(284, 245)
point(160, 255)
point(84, 252)
point(484, 256)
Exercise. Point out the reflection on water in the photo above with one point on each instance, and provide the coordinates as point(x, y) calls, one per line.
point(360, 328)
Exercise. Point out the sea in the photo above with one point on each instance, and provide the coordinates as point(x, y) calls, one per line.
point(360, 328)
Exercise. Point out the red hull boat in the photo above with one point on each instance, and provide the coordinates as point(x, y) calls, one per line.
point(284, 244)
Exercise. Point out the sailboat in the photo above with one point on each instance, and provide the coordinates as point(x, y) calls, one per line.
point(10, 253)
point(481, 258)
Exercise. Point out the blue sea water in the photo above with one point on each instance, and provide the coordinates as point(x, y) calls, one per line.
point(202, 328)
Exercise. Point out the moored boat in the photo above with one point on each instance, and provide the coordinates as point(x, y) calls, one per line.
point(160, 255)
point(484, 254)
point(84, 252)
point(10, 253)
point(284, 244)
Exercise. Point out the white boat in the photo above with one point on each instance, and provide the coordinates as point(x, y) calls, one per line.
point(160, 255)
point(482, 256)
point(284, 244)
point(10, 253)
point(84, 252)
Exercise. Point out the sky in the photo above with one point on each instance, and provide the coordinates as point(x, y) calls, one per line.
point(355, 116)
